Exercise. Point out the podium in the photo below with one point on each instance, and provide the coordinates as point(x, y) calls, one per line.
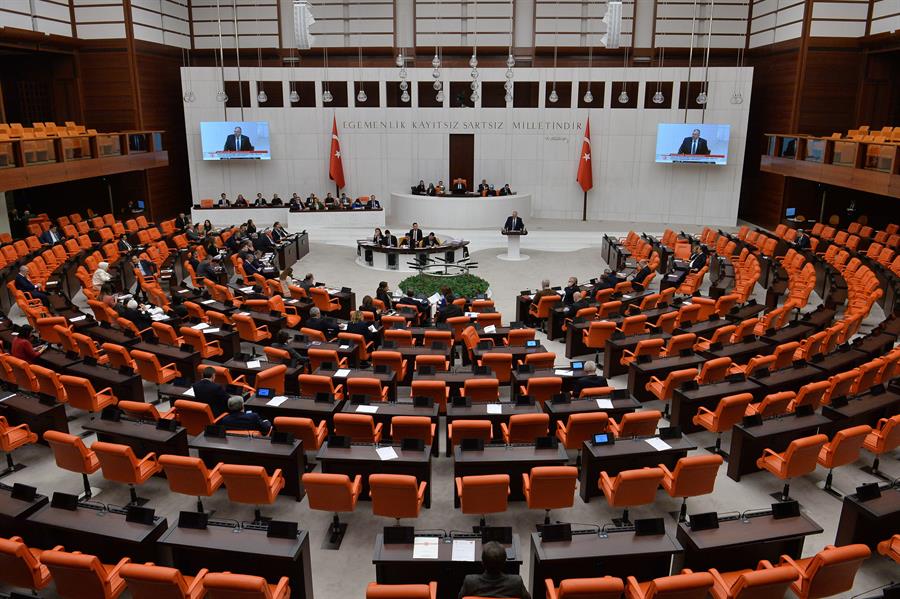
point(513, 239)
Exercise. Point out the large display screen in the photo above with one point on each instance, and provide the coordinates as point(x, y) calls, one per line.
point(692, 142)
point(235, 140)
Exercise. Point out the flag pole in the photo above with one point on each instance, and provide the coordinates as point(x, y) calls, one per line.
point(584, 208)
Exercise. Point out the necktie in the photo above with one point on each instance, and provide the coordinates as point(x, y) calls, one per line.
point(694, 147)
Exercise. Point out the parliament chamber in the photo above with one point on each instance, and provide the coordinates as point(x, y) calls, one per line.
point(266, 330)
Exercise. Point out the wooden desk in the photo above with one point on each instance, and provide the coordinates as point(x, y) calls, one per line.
point(625, 454)
point(749, 310)
point(876, 345)
point(518, 351)
point(685, 404)
point(562, 411)
point(455, 378)
point(522, 378)
point(740, 353)
point(869, 522)
point(128, 387)
point(747, 444)
point(387, 411)
point(14, 512)
point(795, 331)
point(410, 353)
point(639, 374)
point(98, 532)
point(186, 362)
point(240, 367)
point(786, 379)
point(841, 361)
point(619, 554)
point(615, 349)
point(394, 564)
point(867, 408)
point(247, 551)
point(388, 379)
point(479, 411)
point(742, 543)
point(704, 328)
point(297, 406)
point(361, 458)
point(514, 460)
point(142, 437)
point(256, 451)
point(19, 408)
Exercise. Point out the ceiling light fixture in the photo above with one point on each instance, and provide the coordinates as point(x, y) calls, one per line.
point(326, 93)
point(623, 95)
point(221, 96)
point(554, 97)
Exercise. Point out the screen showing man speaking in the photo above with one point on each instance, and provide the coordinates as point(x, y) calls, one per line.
point(703, 143)
point(235, 140)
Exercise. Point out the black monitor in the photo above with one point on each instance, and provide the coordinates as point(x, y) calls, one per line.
point(649, 526)
point(399, 535)
point(282, 529)
point(195, 520)
point(704, 521)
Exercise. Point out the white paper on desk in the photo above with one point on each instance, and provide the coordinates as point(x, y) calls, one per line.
point(292, 301)
point(372, 328)
point(77, 318)
point(658, 444)
point(490, 329)
point(253, 364)
point(387, 453)
point(342, 372)
point(247, 289)
point(209, 301)
point(463, 550)
point(276, 401)
point(244, 313)
point(472, 314)
point(435, 298)
point(332, 291)
point(605, 404)
point(343, 326)
point(424, 547)
point(367, 409)
point(158, 317)
point(344, 346)
point(494, 408)
point(189, 392)
point(200, 326)
point(184, 291)
point(562, 372)
point(212, 330)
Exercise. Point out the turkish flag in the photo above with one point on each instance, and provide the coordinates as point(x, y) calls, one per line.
point(335, 166)
point(585, 177)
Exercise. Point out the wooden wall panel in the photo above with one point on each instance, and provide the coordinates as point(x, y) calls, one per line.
point(107, 87)
point(829, 90)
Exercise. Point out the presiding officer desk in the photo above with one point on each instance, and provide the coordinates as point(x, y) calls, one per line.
point(380, 257)
point(456, 211)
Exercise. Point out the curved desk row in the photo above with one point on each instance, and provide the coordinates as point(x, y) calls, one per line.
point(456, 212)
point(266, 216)
point(379, 257)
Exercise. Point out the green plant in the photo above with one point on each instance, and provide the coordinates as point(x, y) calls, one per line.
point(461, 285)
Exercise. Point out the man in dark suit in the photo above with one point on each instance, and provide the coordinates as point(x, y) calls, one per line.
point(389, 240)
point(514, 223)
point(414, 236)
point(263, 243)
point(207, 391)
point(483, 186)
point(420, 188)
point(51, 236)
point(590, 379)
point(240, 420)
point(238, 142)
point(23, 283)
point(802, 240)
point(282, 341)
point(494, 582)
point(181, 221)
point(459, 186)
point(124, 245)
point(697, 260)
point(579, 301)
point(249, 266)
point(327, 325)
point(569, 290)
point(639, 275)
point(132, 311)
point(694, 144)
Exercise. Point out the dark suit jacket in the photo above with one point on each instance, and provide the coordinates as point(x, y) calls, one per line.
point(485, 585)
point(385, 297)
point(231, 146)
point(249, 268)
point(584, 382)
point(125, 245)
point(180, 223)
point(47, 237)
point(803, 242)
point(361, 328)
point(212, 394)
point(514, 225)
point(23, 284)
point(640, 276)
point(327, 325)
point(450, 311)
point(296, 357)
point(697, 261)
point(414, 236)
point(685, 147)
point(246, 421)
point(568, 292)
point(576, 306)
point(459, 188)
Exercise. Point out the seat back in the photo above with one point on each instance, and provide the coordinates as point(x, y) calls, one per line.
point(303, 429)
point(235, 586)
point(846, 445)
point(639, 424)
point(541, 359)
point(635, 487)
point(319, 356)
point(482, 390)
point(784, 355)
point(118, 356)
point(166, 334)
point(730, 411)
point(714, 370)
point(598, 333)
point(117, 462)
point(187, 475)
point(77, 575)
point(695, 475)
point(19, 567)
point(399, 591)
point(677, 343)
point(272, 378)
point(154, 582)
point(411, 427)
point(470, 429)
point(79, 392)
point(359, 427)
point(525, 428)
point(763, 584)
point(193, 415)
point(394, 495)
point(583, 426)
point(436, 362)
point(329, 492)
point(681, 586)
point(775, 404)
point(310, 384)
point(607, 587)
point(634, 325)
point(542, 388)
point(486, 494)
point(247, 484)
point(370, 387)
point(801, 455)
point(500, 365)
point(833, 570)
point(552, 487)
point(813, 394)
point(518, 337)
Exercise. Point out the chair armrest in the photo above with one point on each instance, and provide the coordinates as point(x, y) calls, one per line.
point(604, 481)
point(432, 589)
point(458, 482)
point(768, 451)
point(421, 492)
point(551, 590)
point(117, 567)
point(704, 410)
point(787, 559)
point(105, 391)
point(150, 457)
point(665, 470)
point(633, 589)
point(718, 580)
point(526, 483)
point(283, 587)
point(214, 343)
point(764, 564)
point(263, 327)
point(198, 579)
point(378, 428)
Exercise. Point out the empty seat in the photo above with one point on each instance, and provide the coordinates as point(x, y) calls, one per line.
point(799, 459)
point(485, 494)
point(636, 424)
point(20, 565)
point(361, 428)
point(333, 493)
point(118, 463)
point(692, 476)
point(82, 576)
point(729, 411)
point(148, 581)
point(70, 454)
point(764, 582)
point(525, 428)
point(226, 585)
point(252, 485)
point(606, 587)
point(827, 573)
point(401, 591)
point(549, 488)
point(396, 495)
point(12, 438)
point(630, 488)
point(190, 476)
point(581, 427)
point(843, 449)
point(688, 585)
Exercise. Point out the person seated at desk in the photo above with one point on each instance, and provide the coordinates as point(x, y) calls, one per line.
point(260, 200)
point(295, 202)
point(590, 379)
point(224, 202)
point(378, 237)
point(193, 259)
point(373, 203)
point(383, 293)
point(431, 190)
point(514, 223)
point(262, 242)
point(414, 236)
point(569, 290)
point(207, 227)
point(194, 233)
point(239, 419)
point(108, 295)
point(135, 313)
point(182, 221)
point(459, 187)
point(314, 203)
point(431, 241)
point(51, 236)
point(205, 268)
point(282, 341)
point(545, 290)
point(493, 582)
point(211, 393)
point(422, 306)
point(483, 187)
point(276, 201)
point(802, 241)
point(506, 191)
point(579, 301)
point(420, 188)
point(389, 240)
point(251, 226)
point(368, 305)
point(330, 201)
point(286, 279)
point(446, 308)
point(694, 263)
point(359, 326)
point(124, 245)
point(22, 347)
point(327, 325)
point(439, 188)
point(491, 192)
point(640, 274)
point(308, 281)
point(23, 283)
point(278, 232)
point(241, 201)
point(345, 201)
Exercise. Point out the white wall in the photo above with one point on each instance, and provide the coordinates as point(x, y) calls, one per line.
point(394, 152)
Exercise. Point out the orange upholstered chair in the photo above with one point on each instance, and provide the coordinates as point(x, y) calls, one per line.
point(688, 585)
point(799, 459)
point(829, 572)
point(81, 395)
point(148, 581)
point(607, 587)
point(412, 427)
point(764, 582)
point(890, 548)
point(252, 484)
point(518, 337)
point(333, 493)
point(541, 388)
point(151, 370)
point(636, 424)
point(843, 449)
point(663, 389)
point(118, 463)
point(190, 476)
point(884, 438)
point(304, 429)
point(729, 411)
point(247, 329)
point(311, 384)
point(581, 427)
point(194, 415)
point(392, 359)
point(540, 360)
point(630, 488)
point(525, 428)
point(469, 429)
point(197, 340)
point(812, 394)
point(772, 404)
point(596, 335)
point(226, 585)
point(692, 476)
point(272, 378)
point(370, 387)
point(482, 390)
point(500, 365)
point(438, 363)
point(83, 576)
point(396, 495)
point(541, 310)
point(323, 300)
point(71, 454)
point(485, 494)
point(12, 438)
point(401, 591)
point(549, 488)
point(436, 390)
point(713, 371)
point(361, 428)
point(645, 347)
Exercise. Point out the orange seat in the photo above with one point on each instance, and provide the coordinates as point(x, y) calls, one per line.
point(549, 488)
point(396, 495)
point(226, 585)
point(843, 449)
point(361, 428)
point(393, 360)
point(540, 360)
point(197, 340)
point(370, 387)
point(333, 493)
point(194, 415)
point(148, 581)
point(645, 347)
point(304, 429)
point(412, 427)
point(485, 494)
point(81, 395)
point(401, 591)
point(251, 484)
point(313, 384)
point(71, 454)
point(663, 389)
point(400, 337)
point(884, 438)
point(317, 357)
point(692, 476)
point(773, 404)
point(596, 335)
point(541, 310)
point(272, 378)
point(469, 429)
point(541, 389)
point(518, 337)
point(729, 411)
point(500, 365)
point(481, 390)
point(581, 427)
point(12, 438)
point(764, 582)
point(247, 329)
point(814, 394)
point(799, 459)
point(151, 370)
point(323, 301)
point(118, 356)
point(607, 587)
point(890, 548)
point(436, 390)
point(190, 476)
point(525, 428)
point(20, 565)
point(827, 573)
point(118, 463)
point(438, 363)
point(82, 576)
point(636, 424)
point(713, 371)
point(680, 343)
point(688, 585)
point(630, 488)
